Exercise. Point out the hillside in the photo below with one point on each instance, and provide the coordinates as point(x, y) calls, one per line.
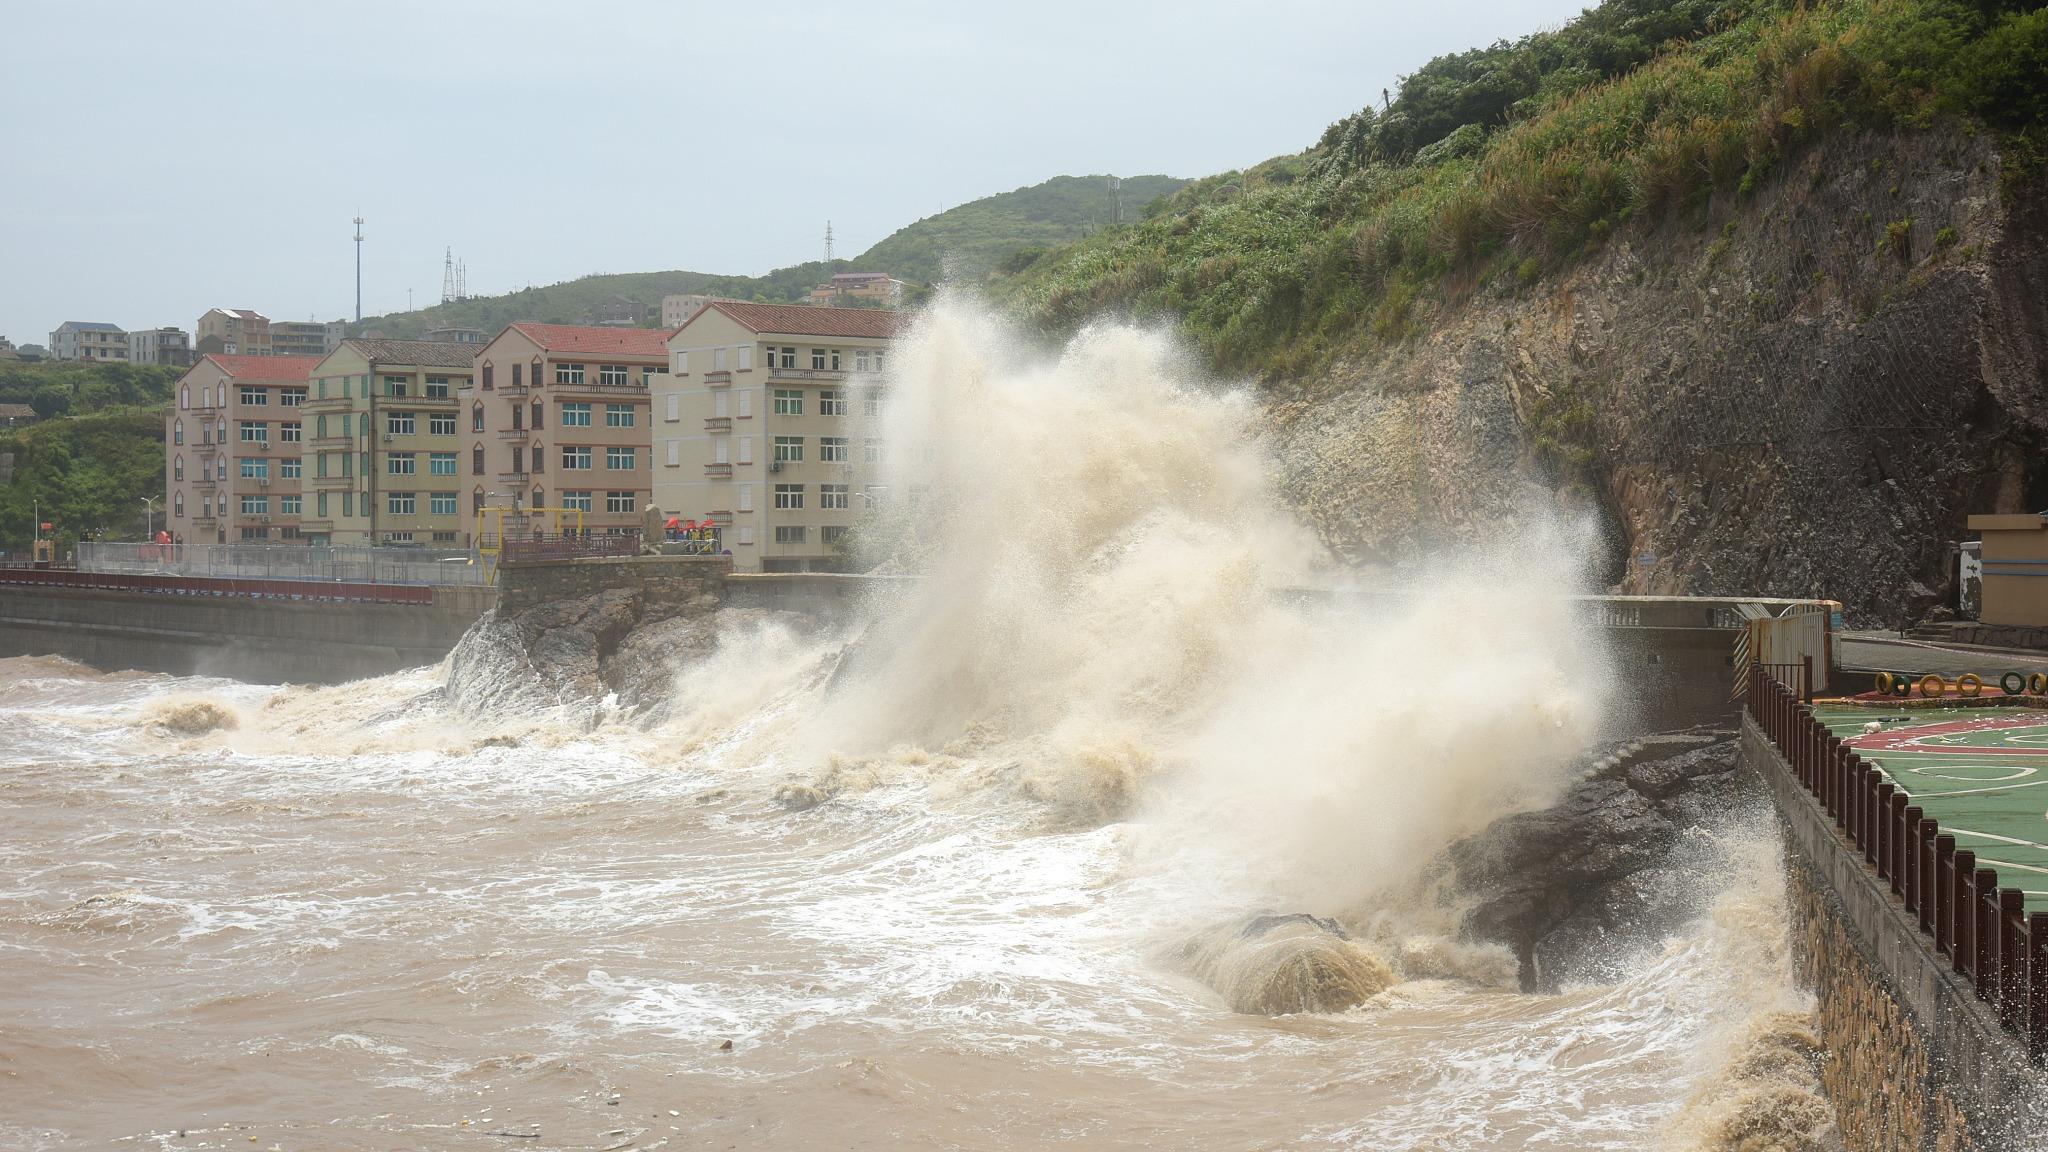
point(982, 235)
point(979, 235)
point(97, 453)
point(1756, 286)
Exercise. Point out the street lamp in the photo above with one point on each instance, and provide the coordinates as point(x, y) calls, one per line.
point(148, 517)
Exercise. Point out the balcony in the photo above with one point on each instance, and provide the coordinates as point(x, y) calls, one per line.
point(513, 433)
point(718, 379)
point(718, 424)
point(718, 471)
point(806, 373)
point(514, 477)
point(331, 442)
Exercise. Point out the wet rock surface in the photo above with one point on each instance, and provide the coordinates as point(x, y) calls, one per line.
point(1577, 889)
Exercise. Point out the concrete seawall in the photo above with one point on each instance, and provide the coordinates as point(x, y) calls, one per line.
point(1914, 1060)
point(264, 641)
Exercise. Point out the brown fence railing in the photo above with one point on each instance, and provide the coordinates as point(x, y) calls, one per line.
point(2000, 948)
point(567, 546)
point(205, 586)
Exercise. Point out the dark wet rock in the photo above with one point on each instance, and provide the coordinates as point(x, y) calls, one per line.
point(1577, 888)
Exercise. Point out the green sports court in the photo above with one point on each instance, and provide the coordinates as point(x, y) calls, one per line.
point(1981, 771)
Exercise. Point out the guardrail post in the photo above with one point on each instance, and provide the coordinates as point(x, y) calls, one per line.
point(1881, 834)
point(1985, 912)
point(1962, 932)
point(1944, 897)
point(2012, 998)
point(1911, 836)
point(1806, 677)
point(2037, 986)
point(1873, 823)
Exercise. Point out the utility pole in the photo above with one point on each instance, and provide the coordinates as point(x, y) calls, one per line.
point(359, 269)
point(828, 241)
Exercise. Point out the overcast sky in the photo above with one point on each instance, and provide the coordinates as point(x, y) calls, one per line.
point(163, 157)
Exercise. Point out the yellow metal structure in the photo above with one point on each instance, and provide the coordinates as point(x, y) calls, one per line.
point(491, 542)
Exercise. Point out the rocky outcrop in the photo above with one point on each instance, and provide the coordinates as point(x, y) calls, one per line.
point(1579, 888)
point(1804, 392)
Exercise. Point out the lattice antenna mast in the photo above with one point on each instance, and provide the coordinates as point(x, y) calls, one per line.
point(359, 269)
point(447, 275)
point(828, 241)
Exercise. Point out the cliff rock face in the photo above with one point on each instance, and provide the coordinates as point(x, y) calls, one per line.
point(1804, 392)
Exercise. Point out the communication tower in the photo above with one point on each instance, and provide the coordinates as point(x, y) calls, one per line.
point(828, 241)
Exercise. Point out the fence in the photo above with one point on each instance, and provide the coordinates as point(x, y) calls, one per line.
point(206, 586)
point(363, 565)
point(568, 546)
point(1989, 937)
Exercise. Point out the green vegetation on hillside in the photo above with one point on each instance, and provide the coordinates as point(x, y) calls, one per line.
point(57, 389)
point(1521, 157)
point(89, 472)
point(1013, 228)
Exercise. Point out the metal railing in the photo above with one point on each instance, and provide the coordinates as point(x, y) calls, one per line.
point(567, 546)
point(205, 586)
point(367, 565)
point(1983, 928)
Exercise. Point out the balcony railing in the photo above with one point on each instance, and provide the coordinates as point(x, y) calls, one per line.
point(807, 373)
point(513, 477)
point(718, 424)
point(718, 471)
point(543, 546)
point(513, 433)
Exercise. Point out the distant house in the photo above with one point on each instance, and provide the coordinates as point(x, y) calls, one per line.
point(160, 346)
point(677, 310)
point(871, 287)
point(17, 415)
point(32, 353)
point(618, 312)
point(458, 335)
point(89, 340)
point(7, 351)
point(233, 332)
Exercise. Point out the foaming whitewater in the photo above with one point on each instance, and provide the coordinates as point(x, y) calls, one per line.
point(1043, 852)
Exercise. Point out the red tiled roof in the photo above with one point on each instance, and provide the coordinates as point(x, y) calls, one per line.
point(264, 367)
point(593, 341)
point(805, 320)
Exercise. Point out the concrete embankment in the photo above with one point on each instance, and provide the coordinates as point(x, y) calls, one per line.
point(255, 639)
point(1915, 1060)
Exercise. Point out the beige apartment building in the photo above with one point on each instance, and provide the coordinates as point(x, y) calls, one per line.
point(233, 332)
point(160, 346)
point(88, 340)
point(383, 451)
point(231, 448)
point(556, 423)
point(305, 338)
point(762, 427)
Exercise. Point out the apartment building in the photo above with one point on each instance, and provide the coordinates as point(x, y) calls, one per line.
point(877, 287)
point(305, 338)
point(160, 346)
point(232, 332)
point(89, 340)
point(382, 457)
point(761, 426)
point(557, 424)
point(231, 448)
point(676, 310)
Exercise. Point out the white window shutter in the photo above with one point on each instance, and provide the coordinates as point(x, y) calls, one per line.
point(746, 357)
point(722, 449)
point(682, 363)
point(746, 449)
point(675, 406)
point(746, 533)
point(746, 403)
point(675, 453)
point(746, 499)
point(718, 404)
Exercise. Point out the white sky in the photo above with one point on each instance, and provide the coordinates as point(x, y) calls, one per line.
point(163, 156)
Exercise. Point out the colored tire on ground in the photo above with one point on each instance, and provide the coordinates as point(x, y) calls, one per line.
point(1902, 685)
point(2038, 683)
point(1882, 684)
point(2012, 683)
point(1932, 686)
point(1969, 684)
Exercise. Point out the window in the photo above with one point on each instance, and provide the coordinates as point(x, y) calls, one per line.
point(441, 503)
point(255, 468)
point(320, 427)
point(540, 463)
point(487, 377)
point(444, 537)
point(568, 373)
point(401, 503)
point(575, 459)
point(835, 359)
point(833, 496)
point(476, 460)
point(255, 433)
point(290, 468)
point(348, 463)
point(398, 537)
point(789, 496)
point(877, 495)
point(401, 463)
point(747, 405)
point(791, 533)
point(746, 497)
point(817, 359)
point(618, 502)
point(344, 423)
point(178, 504)
point(399, 423)
point(675, 452)
point(518, 412)
point(397, 385)
point(441, 423)
point(348, 504)
point(788, 357)
point(878, 359)
point(618, 415)
point(441, 464)
point(718, 359)
point(860, 359)
point(789, 402)
point(178, 468)
point(255, 505)
point(291, 397)
point(539, 413)
point(258, 397)
point(613, 375)
point(320, 505)
point(519, 458)
point(576, 501)
point(185, 396)
point(177, 432)
point(871, 404)
point(871, 452)
point(832, 449)
point(476, 418)
point(831, 534)
point(674, 411)
point(320, 464)
point(682, 363)
point(515, 377)
point(746, 534)
point(437, 388)
point(831, 403)
point(290, 432)
point(575, 415)
point(221, 504)
point(718, 402)
point(789, 449)
point(540, 499)
point(621, 459)
point(747, 358)
point(746, 450)
point(290, 505)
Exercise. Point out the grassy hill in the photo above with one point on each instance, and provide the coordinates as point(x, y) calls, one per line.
point(980, 236)
point(97, 453)
point(984, 234)
point(1505, 163)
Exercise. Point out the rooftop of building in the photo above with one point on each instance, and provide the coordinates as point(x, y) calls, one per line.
point(425, 353)
point(89, 326)
point(597, 341)
point(861, 276)
point(16, 412)
point(809, 320)
point(287, 368)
